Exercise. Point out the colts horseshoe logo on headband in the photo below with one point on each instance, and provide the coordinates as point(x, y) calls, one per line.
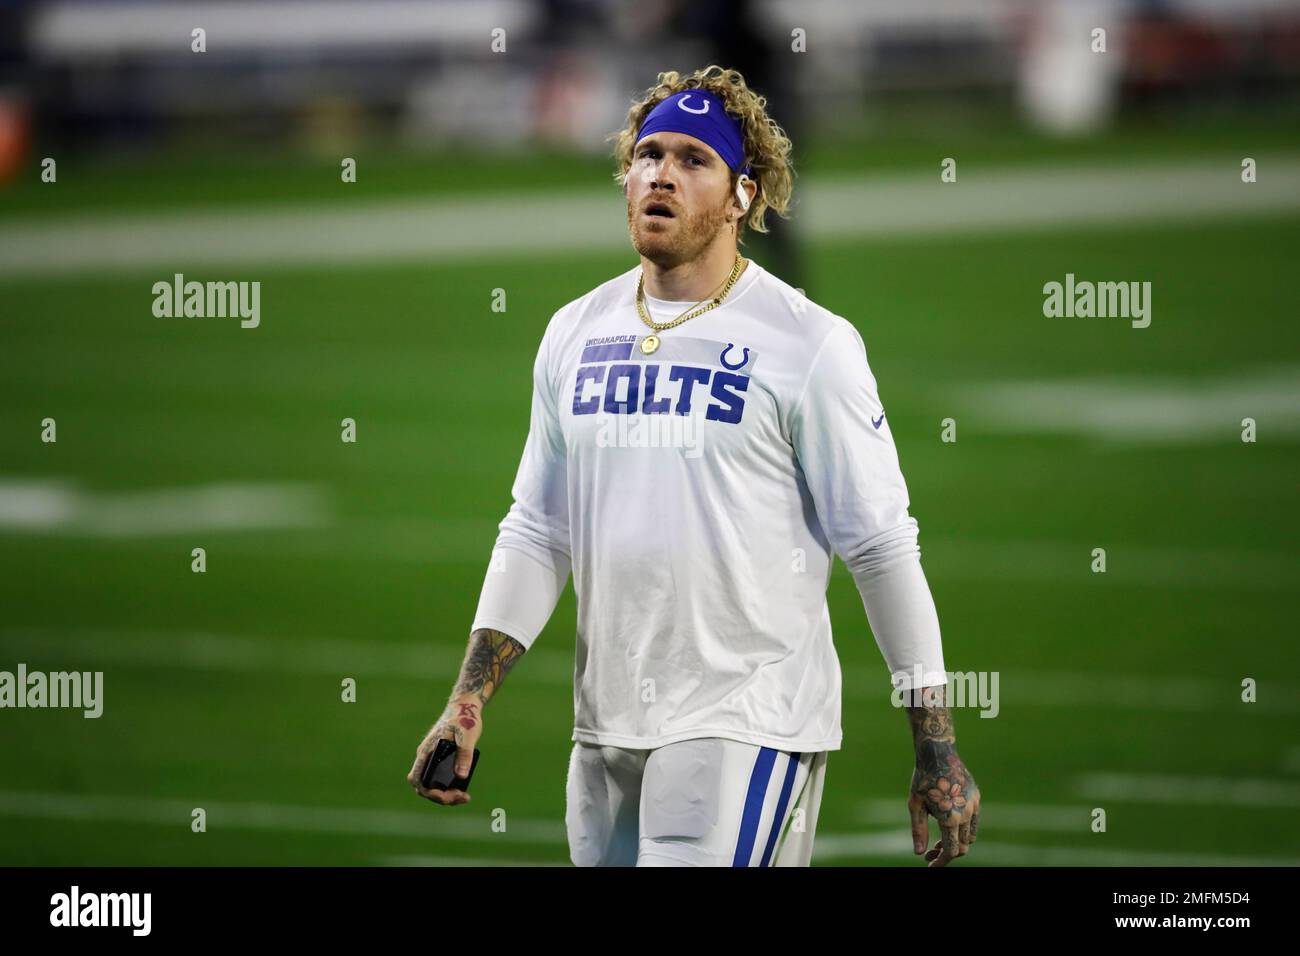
point(700, 112)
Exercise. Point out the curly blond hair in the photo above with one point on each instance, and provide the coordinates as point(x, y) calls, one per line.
point(767, 148)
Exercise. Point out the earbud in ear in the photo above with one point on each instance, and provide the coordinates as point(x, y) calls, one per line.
point(742, 197)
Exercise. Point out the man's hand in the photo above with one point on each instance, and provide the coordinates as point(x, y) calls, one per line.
point(488, 660)
point(462, 722)
point(942, 787)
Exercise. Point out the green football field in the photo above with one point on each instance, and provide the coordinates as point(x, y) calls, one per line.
point(1119, 691)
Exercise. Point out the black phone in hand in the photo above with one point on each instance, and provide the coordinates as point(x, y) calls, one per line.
point(440, 769)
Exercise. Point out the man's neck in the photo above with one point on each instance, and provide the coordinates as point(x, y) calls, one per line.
point(691, 281)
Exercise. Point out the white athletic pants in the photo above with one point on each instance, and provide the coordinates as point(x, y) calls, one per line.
point(704, 802)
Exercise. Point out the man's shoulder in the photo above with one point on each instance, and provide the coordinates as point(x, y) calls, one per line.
point(790, 312)
point(567, 323)
point(609, 294)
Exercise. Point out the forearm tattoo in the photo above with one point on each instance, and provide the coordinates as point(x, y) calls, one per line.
point(930, 724)
point(490, 656)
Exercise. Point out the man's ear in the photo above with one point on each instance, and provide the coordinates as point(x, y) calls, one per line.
point(626, 176)
point(743, 198)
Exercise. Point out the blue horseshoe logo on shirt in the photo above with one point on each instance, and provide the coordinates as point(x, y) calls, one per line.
point(727, 365)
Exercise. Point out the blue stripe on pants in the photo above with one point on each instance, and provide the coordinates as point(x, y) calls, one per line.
point(781, 804)
point(758, 779)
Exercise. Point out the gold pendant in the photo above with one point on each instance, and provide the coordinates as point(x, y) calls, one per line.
point(649, 344)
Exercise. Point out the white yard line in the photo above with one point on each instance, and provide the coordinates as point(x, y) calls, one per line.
point(1189, 790)
point(457, 229)
point(339, 821)
point(61, 507)
point(1152, 410)
point(428, 824)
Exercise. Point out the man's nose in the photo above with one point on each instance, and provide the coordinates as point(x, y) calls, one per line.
point(664, 175)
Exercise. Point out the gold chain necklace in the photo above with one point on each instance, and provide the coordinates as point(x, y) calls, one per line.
point(651, 342)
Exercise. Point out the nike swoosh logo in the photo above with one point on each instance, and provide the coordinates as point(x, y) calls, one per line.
point(879, 421)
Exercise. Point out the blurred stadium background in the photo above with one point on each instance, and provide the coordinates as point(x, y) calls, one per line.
point(481, 170)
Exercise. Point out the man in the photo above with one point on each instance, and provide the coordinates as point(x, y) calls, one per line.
point(707, 688)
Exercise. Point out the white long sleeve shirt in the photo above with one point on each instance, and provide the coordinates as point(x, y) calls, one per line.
point(698, 494)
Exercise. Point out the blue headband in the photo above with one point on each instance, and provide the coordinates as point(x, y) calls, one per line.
point(700, 114)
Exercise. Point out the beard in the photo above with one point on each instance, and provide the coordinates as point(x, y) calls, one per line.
point(684, 241)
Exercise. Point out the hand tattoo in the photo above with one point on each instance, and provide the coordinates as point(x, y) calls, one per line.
point(468, 716)
point(941, 781)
